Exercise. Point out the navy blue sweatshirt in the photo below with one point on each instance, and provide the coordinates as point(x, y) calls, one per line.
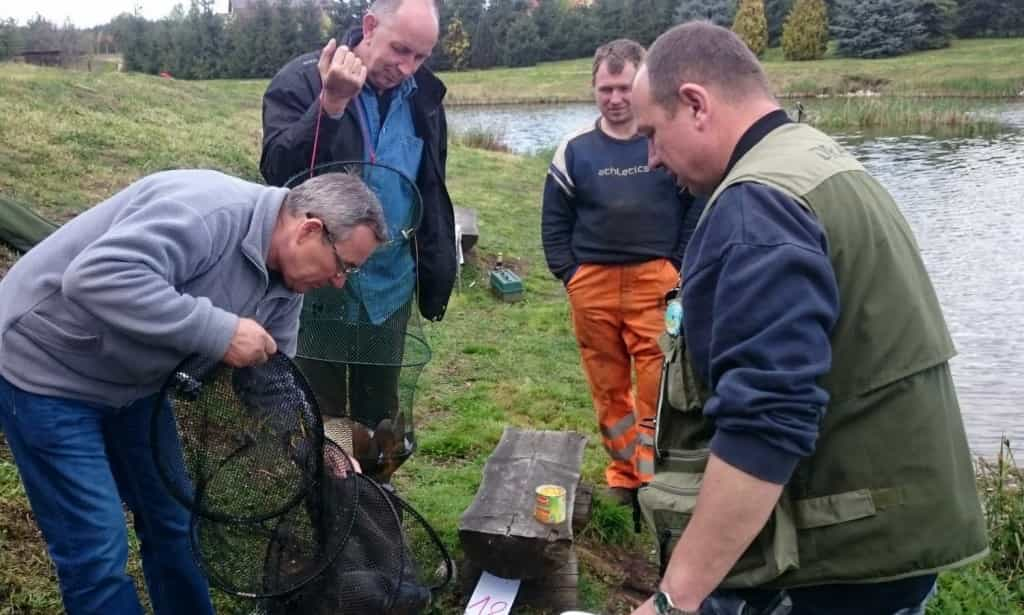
point(760, 299)
point(603, 204)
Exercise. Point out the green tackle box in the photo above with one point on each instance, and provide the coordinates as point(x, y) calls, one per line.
point(506, 285)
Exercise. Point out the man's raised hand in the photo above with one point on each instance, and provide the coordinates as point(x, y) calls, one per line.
point(342, 74)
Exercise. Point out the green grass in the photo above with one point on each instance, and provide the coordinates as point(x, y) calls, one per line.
point(72, 137)
point(78, 137)
point(973, 68)
point(997, 584)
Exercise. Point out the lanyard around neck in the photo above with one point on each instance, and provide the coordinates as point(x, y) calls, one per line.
point(363, 126)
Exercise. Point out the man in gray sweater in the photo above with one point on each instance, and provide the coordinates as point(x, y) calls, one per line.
point(94, 319)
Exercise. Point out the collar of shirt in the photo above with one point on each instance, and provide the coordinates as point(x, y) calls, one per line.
point(755, 133)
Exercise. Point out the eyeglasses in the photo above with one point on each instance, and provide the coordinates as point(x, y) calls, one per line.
point(344, 269)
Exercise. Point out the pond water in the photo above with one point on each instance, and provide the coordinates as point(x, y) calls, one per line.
point(963, 198)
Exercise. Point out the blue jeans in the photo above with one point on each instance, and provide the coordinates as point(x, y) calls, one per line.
point(78, 461)
point(903, 597)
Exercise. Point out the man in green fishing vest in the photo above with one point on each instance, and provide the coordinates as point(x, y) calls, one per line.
point(811, 457)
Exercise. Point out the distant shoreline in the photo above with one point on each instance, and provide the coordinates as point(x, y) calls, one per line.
point(981, 69)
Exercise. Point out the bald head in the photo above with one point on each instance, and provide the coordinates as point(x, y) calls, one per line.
point(398, 36)
point(413, 8)
point(708, 55)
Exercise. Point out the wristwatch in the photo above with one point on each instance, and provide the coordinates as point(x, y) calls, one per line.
point(663, 606)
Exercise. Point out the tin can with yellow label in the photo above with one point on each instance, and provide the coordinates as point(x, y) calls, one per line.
point(550, 506)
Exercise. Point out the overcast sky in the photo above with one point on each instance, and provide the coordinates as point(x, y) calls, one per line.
point(88, 13)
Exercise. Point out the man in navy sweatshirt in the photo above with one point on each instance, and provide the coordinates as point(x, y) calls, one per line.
point(811, 456)
point(614, 234)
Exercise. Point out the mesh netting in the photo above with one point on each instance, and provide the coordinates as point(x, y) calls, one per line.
point(278, 514)
point(374, 573)
point(362, 347)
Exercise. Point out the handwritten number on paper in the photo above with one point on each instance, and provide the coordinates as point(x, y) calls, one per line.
point(498, 607)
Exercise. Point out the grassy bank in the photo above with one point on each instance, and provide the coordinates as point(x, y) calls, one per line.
point(77, 138)
point(899, 115)
point(973, 68)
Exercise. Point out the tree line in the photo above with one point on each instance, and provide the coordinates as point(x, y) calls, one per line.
point(197, 43)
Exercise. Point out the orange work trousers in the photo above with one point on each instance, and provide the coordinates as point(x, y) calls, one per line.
point(618, 314)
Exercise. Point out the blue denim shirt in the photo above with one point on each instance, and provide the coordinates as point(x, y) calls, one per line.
point(386, 281)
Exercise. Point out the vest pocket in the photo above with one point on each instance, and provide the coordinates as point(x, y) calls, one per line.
point(668, 502)
point(679, 387)
point(833, 509)
point(772, 553)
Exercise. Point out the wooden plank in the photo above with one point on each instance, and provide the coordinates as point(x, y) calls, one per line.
point(498, 531)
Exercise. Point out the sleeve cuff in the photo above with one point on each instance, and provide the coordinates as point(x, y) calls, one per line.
point(754, 456)
point(216, 336)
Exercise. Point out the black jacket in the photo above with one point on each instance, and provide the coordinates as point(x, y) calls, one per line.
point(289, 123)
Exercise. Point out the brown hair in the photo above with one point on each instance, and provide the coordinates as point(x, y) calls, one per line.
point(709, 55)
point(617, 53)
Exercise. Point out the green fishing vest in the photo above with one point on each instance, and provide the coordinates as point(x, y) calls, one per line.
point(890, 490)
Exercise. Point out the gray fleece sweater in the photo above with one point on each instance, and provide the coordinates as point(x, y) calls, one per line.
point(105, 308)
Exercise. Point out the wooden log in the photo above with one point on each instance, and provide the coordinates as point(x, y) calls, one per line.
point(499, 531)
point(554, 593)
point(583, 508)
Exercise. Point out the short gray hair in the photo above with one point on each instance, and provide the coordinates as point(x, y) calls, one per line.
point(381, 8)
point(701, 52)
point(342, 201)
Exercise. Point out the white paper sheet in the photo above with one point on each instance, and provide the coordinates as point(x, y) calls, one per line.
point(493, 595)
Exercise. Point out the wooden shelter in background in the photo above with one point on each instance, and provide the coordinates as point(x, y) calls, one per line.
point(47, 57)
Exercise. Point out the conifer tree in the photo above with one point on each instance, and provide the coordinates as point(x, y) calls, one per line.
point(41, 34)
point(483, 53)
point(751, 26)
point(456, 44)
point(805, 33)
point(206, 35)
point(469, 11)
point(10, 38)
point(978, 17)
point(138, 45)
point(283, 38)
point(612, 21)
point(346, 14)
point(310, 22)
point(548, 17)
point(522, 44)
point(776, 11)
point(875, 28)
point(719, 12)
point(937, 19)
